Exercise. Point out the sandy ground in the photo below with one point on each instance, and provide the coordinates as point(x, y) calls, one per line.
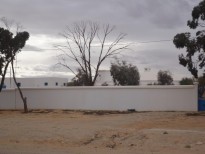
point(74, 132)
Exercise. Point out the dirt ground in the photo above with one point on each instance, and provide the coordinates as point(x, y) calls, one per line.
point(84, 132)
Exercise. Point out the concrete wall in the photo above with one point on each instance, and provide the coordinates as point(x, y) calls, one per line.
point(140, 98)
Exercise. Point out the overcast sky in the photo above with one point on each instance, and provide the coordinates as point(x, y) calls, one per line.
point(143, 21)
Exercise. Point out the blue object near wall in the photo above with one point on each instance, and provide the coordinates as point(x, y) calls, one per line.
point(201, 104)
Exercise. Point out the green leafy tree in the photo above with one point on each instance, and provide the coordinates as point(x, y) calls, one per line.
point(186, 81)
point(194, 58)
point(10, 46)
point(124, 74)
point(5, 53)
point(164, 78)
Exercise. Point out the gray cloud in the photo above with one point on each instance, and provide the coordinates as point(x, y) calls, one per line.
point(31, 48)
point(142, 20)
point(51, 16)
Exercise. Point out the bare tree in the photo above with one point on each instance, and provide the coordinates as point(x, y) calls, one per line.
point(81, 41)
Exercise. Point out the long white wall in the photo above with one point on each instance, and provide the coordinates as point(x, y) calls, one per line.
point(140, 98)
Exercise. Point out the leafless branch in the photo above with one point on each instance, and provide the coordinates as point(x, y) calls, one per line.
point(82, 35)
point(7, 23)
point(66, 66)
point(201, 24)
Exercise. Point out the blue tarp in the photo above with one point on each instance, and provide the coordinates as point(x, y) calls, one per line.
point(201, 104)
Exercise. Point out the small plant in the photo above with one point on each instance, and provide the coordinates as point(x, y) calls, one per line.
point(104, 84)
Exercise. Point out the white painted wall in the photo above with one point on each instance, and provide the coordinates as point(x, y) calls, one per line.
point(140, 98)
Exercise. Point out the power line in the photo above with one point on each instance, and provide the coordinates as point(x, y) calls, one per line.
point(144, 42)
point(156, 41)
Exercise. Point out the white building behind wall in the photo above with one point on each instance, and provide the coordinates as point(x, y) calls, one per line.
point(104, 77)
point(36, 82)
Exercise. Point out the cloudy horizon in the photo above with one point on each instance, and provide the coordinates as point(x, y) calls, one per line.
point(150, 27)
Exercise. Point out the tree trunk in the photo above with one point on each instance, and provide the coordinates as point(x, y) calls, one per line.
point(25, 105)
point(3, 76)
point(24, 99)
